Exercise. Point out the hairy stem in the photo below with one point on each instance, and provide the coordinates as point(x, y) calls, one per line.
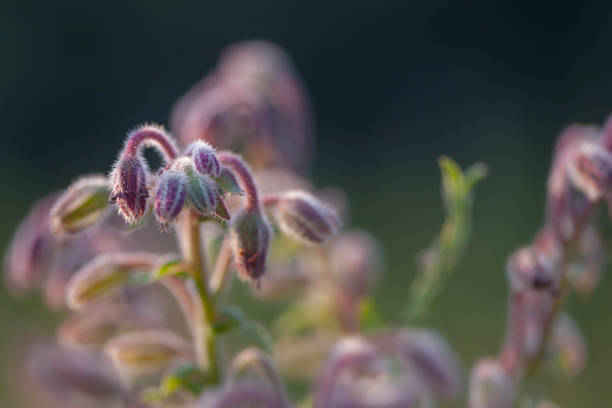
point(205, 341)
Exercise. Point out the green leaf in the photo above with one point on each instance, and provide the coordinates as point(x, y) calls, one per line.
point(232, 317)
point(186, 376)
point(369, 316)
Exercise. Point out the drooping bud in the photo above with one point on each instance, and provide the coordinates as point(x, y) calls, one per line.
point(356, 262)
point(490, 385)
point(530, 269)
point(429, 355)
point(29, 253)
point(103, 275)
point(250, 234)
point(129, 192)
point(204, 158)
point(568, 346)
point(351, 353)
point(170, 197)
point(83, 204)
point(202, 194)
point(73, 379)
point(305, 218)
point(144, 355)
point(591, 170)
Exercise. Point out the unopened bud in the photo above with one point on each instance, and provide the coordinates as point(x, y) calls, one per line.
point(83, 205)
point(204, 158)
point(490, 385)
point(103, 275)
point(429, 355)
point(250, 234)
point(568, 346)
point(591, 170)
point(129, 188)
point(305, 218)
point(140, 355)
point(530, 269)
point(73, 379)
point(170, 197)
point(202, 194)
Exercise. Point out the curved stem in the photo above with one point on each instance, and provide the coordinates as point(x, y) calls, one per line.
point(154, 136)
point(192, 248)
point(243, 173)
point(221, 272)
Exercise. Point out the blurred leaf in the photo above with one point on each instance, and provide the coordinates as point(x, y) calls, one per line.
point(187, 376)
point(232, 317)
point(438, 261)
point(369, 315)
point(173, 267)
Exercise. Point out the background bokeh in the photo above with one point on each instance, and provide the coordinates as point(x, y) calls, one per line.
point(394, 84)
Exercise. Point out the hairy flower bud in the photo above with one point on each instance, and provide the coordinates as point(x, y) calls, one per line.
point(204, 158)
point(250, 235)
point(202, 194)
point(568, 346)
point(591, 170)
point(83, 204)
point(103, 275)
point(305, 218)
point(141, 355)
point(129, 187)
point(530, 269)
point(73, 379)
point(429, 355)
point(490, 385)
point(170, 197)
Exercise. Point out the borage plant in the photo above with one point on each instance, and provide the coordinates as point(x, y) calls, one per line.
point(151, 324)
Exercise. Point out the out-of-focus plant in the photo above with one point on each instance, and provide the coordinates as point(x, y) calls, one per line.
point(565, 256)
point(150, 324)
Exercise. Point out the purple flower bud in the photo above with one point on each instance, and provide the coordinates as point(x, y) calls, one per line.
point(530, 269)
point(71, 379)
point(430, 356)
point(491, 386)
point(591, 170)
point(170, 197)
point(83, 204)
point(305, 218)
point(568, 346)
point(129, 187)
point(250, 234)
point(202, 193)
point(204, 158)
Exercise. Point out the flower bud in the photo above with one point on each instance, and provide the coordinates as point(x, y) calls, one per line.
point(490, 386)
point(103, 275)
point(204, 158)
point(129, 188)
point(73, 379)
point(202, 194)
point(429, 355)
point(530, 269)
point(568, 346)
point(83, 205)
point(146, 354)
point(170, 197)
point(250, 235)
point(305, 218)
point(591, 170)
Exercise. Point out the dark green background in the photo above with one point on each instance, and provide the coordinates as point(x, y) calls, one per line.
point(394, 85)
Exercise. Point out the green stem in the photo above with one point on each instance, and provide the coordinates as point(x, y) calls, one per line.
point(206, 342)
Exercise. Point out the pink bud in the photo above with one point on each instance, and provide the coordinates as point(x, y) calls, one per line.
point(305, 218)
point(129, 187)
point(204, 158)
point(591, 170)
point(250, 234)
point(530, 269)
point(170, 197)
point(490, 386)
